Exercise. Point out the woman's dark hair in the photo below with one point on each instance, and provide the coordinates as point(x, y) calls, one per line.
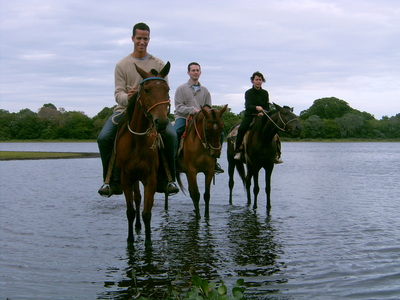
point(259, 74)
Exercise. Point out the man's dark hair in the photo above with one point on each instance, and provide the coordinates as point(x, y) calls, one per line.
point(257, 74)
point(140, 26)
point(193, 64)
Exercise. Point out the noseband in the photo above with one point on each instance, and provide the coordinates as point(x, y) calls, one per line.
point(280, 117)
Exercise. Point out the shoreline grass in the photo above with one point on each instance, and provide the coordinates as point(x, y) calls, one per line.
point(26, 155)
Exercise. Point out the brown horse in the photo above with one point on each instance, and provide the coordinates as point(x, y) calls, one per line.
point(201, 146)
point(138, 139)
point(260, 150)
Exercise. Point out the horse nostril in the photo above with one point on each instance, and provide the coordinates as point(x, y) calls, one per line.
point(160, 125)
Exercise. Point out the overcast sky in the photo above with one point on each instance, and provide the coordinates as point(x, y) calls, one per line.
point(64, 52)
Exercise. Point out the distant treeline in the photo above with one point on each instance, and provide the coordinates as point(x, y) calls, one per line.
point(327, 118)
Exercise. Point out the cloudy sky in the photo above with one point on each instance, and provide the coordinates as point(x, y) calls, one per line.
point(64, 52)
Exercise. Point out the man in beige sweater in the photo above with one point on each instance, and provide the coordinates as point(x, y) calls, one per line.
point(127, 81)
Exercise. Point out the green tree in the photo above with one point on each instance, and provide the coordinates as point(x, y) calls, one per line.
point(350, 125)
point(313, 127)
point(77, 126)
point(327, 108)
point(5, 120)
point(26, 125)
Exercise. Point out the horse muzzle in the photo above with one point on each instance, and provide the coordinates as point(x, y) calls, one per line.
point(160, 124)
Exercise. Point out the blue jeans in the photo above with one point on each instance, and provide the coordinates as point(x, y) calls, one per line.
point(179, 127)
point(106, 138)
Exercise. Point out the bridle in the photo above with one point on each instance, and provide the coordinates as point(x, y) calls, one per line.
point(206, 144)
point(145, 110)
point(280, 117)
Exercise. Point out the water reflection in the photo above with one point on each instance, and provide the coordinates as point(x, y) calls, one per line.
point(244, 247)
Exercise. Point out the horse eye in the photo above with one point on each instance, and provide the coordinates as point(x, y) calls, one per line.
point(146, 91)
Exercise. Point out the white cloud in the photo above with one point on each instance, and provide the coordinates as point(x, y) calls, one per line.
point(64, 52)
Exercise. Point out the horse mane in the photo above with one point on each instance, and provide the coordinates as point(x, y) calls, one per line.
point(126, 118)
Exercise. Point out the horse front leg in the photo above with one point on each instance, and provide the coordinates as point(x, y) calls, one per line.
point(137, 197)
point(149, 191)
point(130, 210)
point(268, 173)
point(256, 189)
point(194, 191)
point(207, 193)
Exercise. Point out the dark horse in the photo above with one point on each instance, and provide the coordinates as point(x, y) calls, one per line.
point(260, 150)
point(137, 146)
point(201, 146)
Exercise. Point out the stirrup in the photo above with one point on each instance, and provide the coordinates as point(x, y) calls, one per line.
point(103, 191)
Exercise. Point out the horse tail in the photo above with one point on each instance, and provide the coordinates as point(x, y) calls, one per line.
point(178, 179)
point(241, 171)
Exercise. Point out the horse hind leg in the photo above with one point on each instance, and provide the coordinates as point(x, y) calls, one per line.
point(231, 171)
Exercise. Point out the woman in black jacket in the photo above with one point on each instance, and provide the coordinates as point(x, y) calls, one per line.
point(256, 101)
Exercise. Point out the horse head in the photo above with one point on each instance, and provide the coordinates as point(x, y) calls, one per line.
point(213, 127)
point(287, 121)
point(153, 96)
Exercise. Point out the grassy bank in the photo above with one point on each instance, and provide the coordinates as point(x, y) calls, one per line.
point(18, 155)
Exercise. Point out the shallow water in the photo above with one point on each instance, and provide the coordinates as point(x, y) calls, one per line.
point(333, 231)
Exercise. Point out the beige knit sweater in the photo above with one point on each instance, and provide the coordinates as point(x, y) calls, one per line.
point(126, 76)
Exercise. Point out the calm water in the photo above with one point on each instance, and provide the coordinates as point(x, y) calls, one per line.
point(333, 232)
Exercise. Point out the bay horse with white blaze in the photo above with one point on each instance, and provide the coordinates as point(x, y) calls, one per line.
point(201, 147)
point(137, 146)
point(260, 150)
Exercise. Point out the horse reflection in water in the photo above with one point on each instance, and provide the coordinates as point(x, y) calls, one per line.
point(201, 147)
point(260, 150)
point(237, 245)
point(137, 153)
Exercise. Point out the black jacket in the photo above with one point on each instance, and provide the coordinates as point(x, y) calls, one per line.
point(253, 98)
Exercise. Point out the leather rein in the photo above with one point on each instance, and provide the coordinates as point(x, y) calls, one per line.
point(280, 117)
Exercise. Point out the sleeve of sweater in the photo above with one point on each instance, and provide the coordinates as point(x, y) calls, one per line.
point(121, 92)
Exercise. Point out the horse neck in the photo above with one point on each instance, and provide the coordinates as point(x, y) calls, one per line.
point(268, 128)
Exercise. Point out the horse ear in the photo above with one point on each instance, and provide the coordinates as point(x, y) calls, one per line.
point(164, 72)
point(277, 106)
point(223, 109)
point(141, 72)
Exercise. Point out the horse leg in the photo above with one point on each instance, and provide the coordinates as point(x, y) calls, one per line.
point(130, 210)
point(256, 189)
point(231, 171)
point(208, 178)
point(194, 191)
point(137, 197)
point(268, 173)
point(149, 191)
point(248, 186)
